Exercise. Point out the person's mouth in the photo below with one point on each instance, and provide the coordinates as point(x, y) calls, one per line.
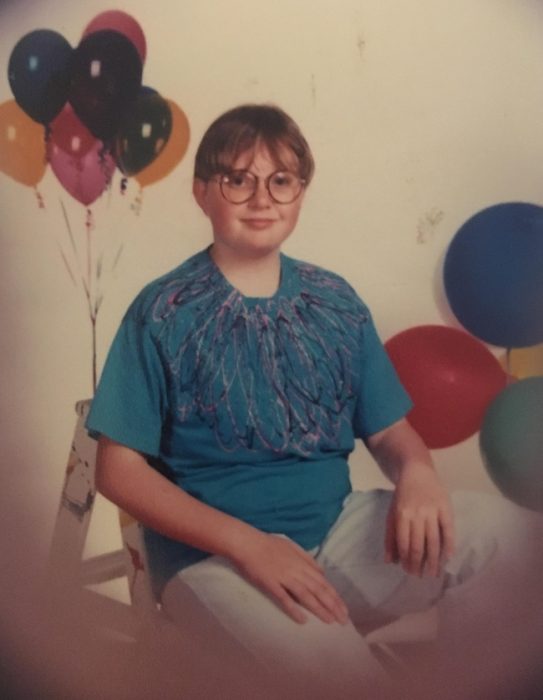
point(258, 223)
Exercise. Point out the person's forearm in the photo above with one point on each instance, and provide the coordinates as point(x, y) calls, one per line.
point(399, 448)
point(124, 477)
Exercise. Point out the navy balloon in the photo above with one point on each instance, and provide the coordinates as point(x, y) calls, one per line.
point(493, 275)
point(105, 80)
point(38, 73)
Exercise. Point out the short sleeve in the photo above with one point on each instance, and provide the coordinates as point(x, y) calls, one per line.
point(129, 404)
point(381, 398)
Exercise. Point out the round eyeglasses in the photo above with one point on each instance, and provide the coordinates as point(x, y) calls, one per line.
point(239, 186)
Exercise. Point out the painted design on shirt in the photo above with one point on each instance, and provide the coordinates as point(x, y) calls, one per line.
point(275, 375)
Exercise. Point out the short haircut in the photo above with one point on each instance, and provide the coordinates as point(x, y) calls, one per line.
point(243, 129)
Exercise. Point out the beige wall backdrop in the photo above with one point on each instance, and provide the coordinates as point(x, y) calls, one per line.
point(420, 113)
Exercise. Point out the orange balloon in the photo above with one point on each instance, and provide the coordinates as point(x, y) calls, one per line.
point(22, 145)
point(522, 363)
point(173, 151)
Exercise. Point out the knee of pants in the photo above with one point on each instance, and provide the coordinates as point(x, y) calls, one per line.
point(487, 528)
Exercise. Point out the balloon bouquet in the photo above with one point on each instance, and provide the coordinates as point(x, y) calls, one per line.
point(85, 112)
point(493, 278)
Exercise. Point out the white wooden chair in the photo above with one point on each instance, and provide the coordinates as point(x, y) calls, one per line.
point(71, 574)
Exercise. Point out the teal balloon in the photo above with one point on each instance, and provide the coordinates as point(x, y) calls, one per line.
point(511, 442)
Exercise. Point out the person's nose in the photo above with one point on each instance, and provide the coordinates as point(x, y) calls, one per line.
point(261, 197)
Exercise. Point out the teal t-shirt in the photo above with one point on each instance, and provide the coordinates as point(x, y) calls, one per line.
point(249, 404)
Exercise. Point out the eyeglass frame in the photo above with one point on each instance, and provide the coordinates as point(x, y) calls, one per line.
point(221, 177)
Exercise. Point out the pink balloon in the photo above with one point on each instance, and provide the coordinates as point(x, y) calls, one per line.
point(84, 177)
point(70, 134)
point(123, 23)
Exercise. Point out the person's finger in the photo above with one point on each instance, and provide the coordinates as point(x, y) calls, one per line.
point(328, 597)
point(287, 603)
point(433, 546)
point(305, 597)
point(417, 544)
point(402, 529)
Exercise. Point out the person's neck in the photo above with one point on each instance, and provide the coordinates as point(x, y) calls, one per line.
point(253, 276)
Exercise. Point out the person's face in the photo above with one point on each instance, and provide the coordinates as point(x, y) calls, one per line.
point(259, 226)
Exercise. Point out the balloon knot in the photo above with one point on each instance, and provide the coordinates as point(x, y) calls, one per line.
point(89, 221)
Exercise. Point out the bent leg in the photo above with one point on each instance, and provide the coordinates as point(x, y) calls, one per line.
point(495, 559)
point(332, 659)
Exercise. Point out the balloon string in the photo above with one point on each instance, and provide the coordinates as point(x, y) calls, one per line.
point(39, 197)
point(61, 251)
point(136, 205)
point(94, 372)
point(92, 307)
point(89, 225)
point(94, 304)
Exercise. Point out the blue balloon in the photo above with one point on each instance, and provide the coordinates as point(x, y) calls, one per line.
point(39, 74)
point(493, 275)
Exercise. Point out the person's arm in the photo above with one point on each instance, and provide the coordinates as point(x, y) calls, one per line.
point(420, 528)
point(278, 566)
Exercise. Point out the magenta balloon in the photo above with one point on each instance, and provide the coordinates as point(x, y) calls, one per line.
point(123, 23)
point(84, 177)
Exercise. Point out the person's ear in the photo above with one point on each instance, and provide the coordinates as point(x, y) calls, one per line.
point(199, 190)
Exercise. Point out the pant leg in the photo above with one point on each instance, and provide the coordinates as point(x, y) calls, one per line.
point(494, 545)
point(331, 660)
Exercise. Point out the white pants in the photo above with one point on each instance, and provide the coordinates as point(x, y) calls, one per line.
point(492, 542)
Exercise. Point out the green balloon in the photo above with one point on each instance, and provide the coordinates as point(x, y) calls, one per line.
point(511, 442)
point(143, 132)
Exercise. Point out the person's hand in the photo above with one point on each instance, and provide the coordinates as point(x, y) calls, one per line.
point(291, 577)
point(420, 531)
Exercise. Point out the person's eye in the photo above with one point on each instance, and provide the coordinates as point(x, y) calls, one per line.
point(284, 180)
point(238, 180)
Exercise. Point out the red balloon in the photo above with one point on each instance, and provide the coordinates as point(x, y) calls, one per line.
point(70, 134)
point(452, 378)
point(123, 23)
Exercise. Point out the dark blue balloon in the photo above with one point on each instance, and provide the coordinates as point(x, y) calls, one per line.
point(38, 73)
point(493, 275)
